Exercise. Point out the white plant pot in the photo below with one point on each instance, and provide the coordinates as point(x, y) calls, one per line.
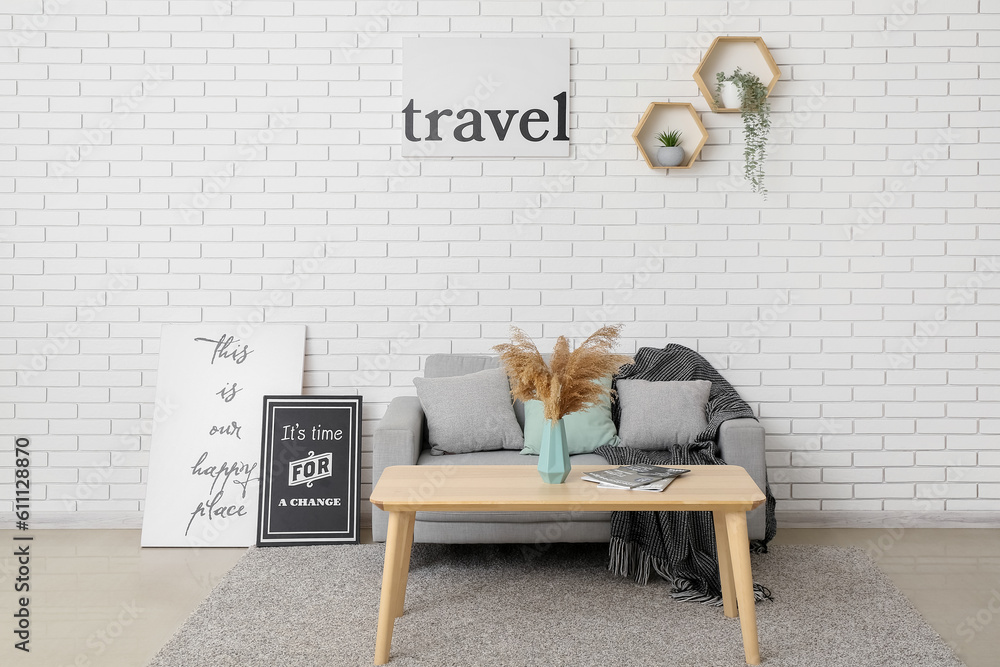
point(670, 156)
point(730, 95)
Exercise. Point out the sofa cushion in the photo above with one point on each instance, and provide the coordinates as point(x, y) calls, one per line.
point(469, 413)
point(586, 430)
point(500, 458)
point(656, 415)
point(450, 365)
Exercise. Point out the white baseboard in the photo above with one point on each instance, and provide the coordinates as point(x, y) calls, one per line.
point(76, 520)
point(886, 519)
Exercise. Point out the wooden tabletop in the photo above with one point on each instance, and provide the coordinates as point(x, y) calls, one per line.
point(519, 488)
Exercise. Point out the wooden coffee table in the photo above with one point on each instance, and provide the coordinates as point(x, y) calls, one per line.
point(726, 491)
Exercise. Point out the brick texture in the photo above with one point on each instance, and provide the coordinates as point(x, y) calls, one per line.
point(212, 161)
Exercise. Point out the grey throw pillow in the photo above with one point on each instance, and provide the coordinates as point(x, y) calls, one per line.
point(655, 415)
point(469, 413)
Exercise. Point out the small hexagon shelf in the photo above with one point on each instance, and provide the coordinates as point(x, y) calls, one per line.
point(664, 117)
point(726, 54)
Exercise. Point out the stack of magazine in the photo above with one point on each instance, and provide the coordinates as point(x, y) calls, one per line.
point(639, 477)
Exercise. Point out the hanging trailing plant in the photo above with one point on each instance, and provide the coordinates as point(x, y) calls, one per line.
point(756, 113)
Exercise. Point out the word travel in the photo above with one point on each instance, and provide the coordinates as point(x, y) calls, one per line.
point(530, 124)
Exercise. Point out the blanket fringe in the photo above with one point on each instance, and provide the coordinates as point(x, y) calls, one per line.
point(630, 561)
point(683, 591)
point(626, 561)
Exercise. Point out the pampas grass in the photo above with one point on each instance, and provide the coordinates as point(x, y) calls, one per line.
point(567, 384)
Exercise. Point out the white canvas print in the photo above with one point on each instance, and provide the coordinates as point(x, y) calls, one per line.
point(485, 97)
point(204, 462)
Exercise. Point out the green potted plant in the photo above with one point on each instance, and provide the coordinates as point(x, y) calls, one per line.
point(670, 154)
point(756, 113)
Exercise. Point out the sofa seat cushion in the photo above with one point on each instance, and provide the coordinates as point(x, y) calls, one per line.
point(506, 457)
point(499, 457)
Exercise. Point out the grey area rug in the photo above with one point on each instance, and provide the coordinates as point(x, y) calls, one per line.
point(491, 605)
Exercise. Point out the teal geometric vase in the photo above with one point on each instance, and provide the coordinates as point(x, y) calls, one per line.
point(553, 462)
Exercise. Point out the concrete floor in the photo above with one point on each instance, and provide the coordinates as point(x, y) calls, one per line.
point(98, 600)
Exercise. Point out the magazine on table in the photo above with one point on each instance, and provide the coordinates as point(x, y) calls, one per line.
point(656, 486)
point(637, 476)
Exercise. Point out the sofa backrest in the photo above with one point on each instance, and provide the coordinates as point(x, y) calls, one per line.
point(450, 365)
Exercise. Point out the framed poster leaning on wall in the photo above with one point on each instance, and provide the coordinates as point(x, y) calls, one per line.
point(310, 471)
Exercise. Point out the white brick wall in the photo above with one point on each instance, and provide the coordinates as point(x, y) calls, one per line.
point(191, 161)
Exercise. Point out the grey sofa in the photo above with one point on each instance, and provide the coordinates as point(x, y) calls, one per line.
point(401, 439)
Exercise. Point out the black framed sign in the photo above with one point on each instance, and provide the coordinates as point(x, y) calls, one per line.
point(310, 471)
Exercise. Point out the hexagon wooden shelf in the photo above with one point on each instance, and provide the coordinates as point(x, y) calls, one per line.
point(726, 54)
point(664, 117)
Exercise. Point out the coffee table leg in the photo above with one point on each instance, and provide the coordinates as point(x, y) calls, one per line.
point(725, 565)
point(391, 572)
point(739, 547)
point(404, 566)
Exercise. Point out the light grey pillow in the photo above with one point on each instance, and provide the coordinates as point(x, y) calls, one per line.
point(469, 413)
point(655, 415)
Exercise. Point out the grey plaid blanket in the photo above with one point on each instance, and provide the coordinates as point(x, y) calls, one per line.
point(679, 546)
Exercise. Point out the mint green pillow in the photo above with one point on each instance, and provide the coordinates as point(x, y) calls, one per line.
point(586, 430)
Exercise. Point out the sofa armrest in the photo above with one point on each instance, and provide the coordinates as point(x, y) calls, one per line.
point(741, 443)
point(397, 441)
point(397, 438)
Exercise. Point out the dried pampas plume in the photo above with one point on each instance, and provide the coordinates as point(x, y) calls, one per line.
point(567, 383)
